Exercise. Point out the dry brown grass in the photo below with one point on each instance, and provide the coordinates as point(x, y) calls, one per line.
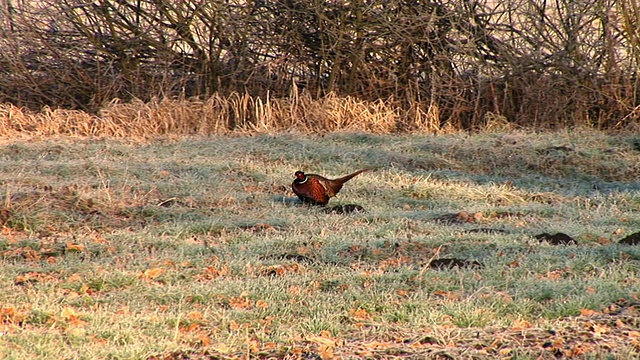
point(217, 115)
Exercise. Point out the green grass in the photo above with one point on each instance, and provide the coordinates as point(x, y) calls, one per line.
point(197, 248)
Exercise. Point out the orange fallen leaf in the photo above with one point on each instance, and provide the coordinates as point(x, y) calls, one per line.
point(169, 263)
point(254, 345)
point(11, 315)
point(521, 325)
point(98, 239)
point(326, 352)
point(604, 241)
point(153, 273)
point(74, 247)
point(270, 345)
point(222, 348)
point(378, 345)
point(212, 272)
point(74, 277)
point(580, 349)
point(203, 338)
point(192, 327)
point(71, 315)
point(282, 269)
point(360, 314)
point(446, 294)
point(195, 316)
point(68, 313)
point(124, 310)
point(266, 321)
point(598, 330)
point(240, 302)
point(363, 353)
point(321, 340)
point(587, 312)
point(552, 275)
point(20, 280)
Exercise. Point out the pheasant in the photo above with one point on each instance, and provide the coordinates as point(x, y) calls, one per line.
point(315, 189)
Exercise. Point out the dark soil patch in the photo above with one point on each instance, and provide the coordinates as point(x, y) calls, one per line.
point(556, 239)
point(632, 239)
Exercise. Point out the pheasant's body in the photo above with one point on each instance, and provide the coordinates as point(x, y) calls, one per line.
point(315, 189)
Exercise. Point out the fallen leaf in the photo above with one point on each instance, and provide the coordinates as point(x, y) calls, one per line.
point(191, 328)
point(195, 315)
point(360, 314)
point(240, 302)
point(75, 247)
point(212, 272)
point(11, 315)
point(254, 345)
point(74, 277)
point(446, 294)
point(588, 312)
point(552, 275)
point(71, 316)
point(153, 273)
point(222, 348)
point(521, 325)
point(321, 340)
point(203, 338)
point(326, 352)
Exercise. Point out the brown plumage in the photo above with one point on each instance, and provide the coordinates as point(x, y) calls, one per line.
point(315, 189)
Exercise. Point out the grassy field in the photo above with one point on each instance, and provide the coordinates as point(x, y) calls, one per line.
point(197, 249)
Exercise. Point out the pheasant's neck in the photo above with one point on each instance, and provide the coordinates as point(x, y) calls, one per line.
point(303, 181)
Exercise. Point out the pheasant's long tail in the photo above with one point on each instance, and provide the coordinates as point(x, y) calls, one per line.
point(346, 178)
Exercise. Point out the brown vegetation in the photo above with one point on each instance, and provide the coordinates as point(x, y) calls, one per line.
point(379, 66)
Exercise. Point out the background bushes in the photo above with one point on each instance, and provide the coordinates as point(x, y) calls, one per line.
point(441, 64)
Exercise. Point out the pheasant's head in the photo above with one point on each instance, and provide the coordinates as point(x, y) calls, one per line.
point(300, 177)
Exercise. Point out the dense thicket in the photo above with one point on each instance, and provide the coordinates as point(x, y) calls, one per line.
point(460, 64)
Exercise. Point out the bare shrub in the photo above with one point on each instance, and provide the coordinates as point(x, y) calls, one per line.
point(436, 66)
